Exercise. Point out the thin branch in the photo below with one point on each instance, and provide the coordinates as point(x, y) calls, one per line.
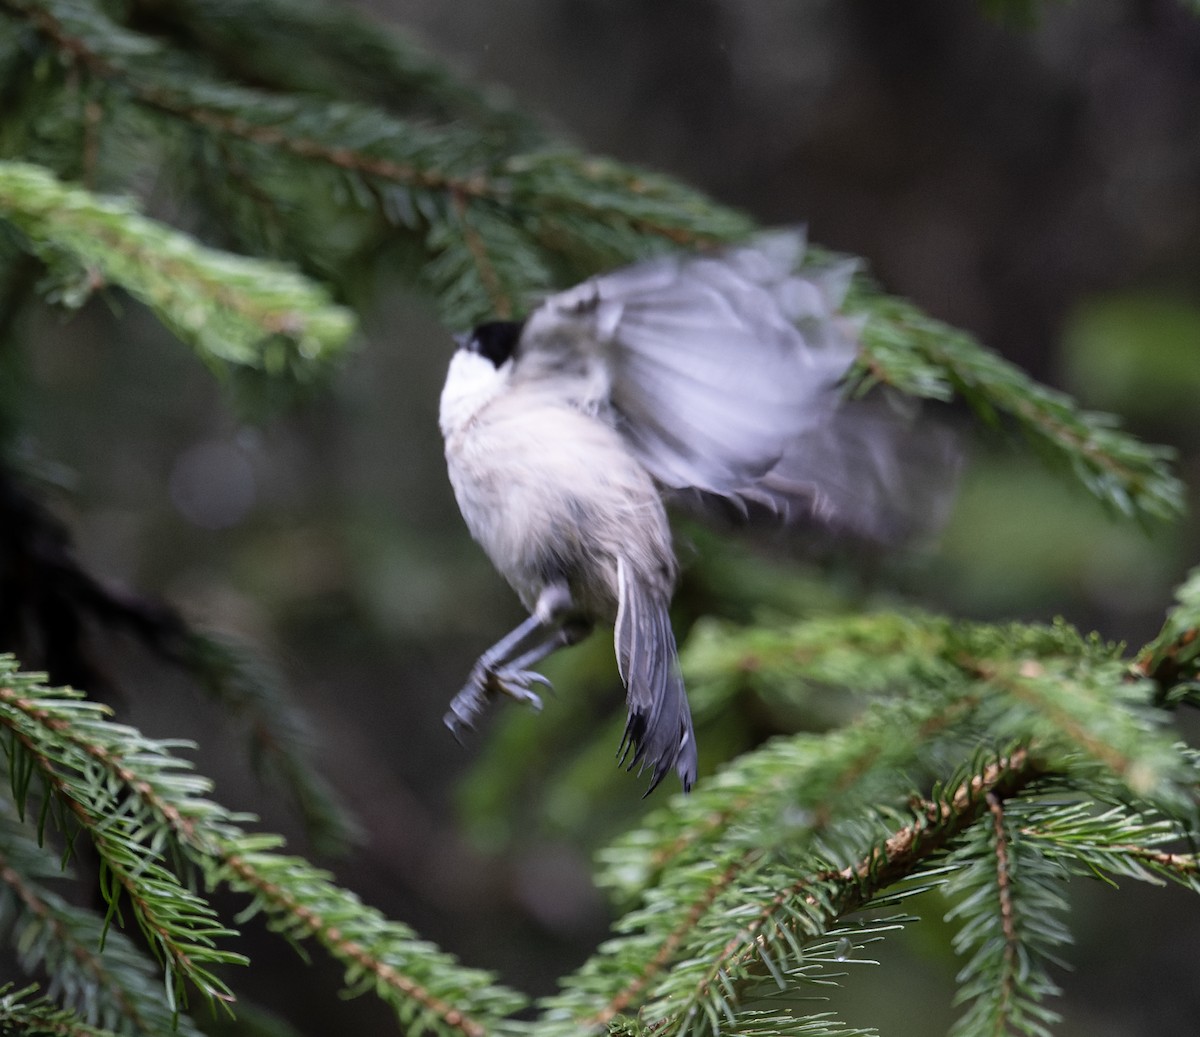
point(1007, 915)
point(19, 1016)
point(343, 947)
point(171, 103)
point(938, 823)
point(630, 184)
point(1170, 663)
point(501, 303)
point(1185, 865)
point(1018, 681)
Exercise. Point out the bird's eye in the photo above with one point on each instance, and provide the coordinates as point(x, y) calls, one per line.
point(497, 340)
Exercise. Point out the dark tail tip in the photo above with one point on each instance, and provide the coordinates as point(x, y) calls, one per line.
point(644, 747)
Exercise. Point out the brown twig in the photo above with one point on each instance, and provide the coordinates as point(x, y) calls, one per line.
point(501, 303)
point(1007, 911)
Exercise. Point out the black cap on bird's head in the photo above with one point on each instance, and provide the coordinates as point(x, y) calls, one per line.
point(496, 340)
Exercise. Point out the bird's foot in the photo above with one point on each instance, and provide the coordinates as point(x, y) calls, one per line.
point(468, 705)
point(516, 684)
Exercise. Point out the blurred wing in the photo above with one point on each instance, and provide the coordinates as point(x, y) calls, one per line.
point(871, 470)
point(722, 374)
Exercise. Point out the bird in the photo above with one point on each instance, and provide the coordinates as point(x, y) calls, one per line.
point(710, 380)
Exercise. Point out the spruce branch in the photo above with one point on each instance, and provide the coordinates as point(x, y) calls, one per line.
point(1184, 867)
point(380, 956)
point(99, 975)
point(131, 791)
point(967, 685)
point(766, 1023)
point(1065, 701)
point(500, 226)
point(1122, 840)
point(808, 781)
point(1172, 659)
point(1047, 682)
point(480, 257)
point(23, 1013)
point(784, 900)
point(344, 53)
point(1009, 902)
point(906, 348)
point(610, 211)
point(180, 927)
point(230, 308)
point(417, 175)
point(340, 135)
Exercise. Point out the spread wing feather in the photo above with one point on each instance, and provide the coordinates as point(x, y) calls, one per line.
point(723, 375)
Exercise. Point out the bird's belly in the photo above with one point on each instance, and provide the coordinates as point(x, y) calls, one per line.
point(561, 511)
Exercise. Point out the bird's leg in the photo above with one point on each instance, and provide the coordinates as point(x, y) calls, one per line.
point(504, 668)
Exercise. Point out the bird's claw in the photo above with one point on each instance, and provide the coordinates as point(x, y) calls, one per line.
point(483, 685)
point(516, 684)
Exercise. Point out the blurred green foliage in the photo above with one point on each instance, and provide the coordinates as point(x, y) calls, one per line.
point(1136, 353)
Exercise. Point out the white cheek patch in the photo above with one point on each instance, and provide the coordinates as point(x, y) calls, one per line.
point(471, 382)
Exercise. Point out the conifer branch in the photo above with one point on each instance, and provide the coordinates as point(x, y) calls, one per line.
point(939, 821)
point(1172, 659)
point(232, 309)
point(1010, 930)
point(1121, 840)
point(568, 202)
point(847, 765)
point(691, 864)
point(108, 52)
point(1008, 924)
point(750, 913)
point(133, 792)
point(179, 926)
point(917, 354)
point(23, 1013)
point(335, 928)
point(100, 974)
point(1026, 681)
point(245, 685)
point(667, 952)
point(1184, 866)
point(1046, 682)
point(502, 304)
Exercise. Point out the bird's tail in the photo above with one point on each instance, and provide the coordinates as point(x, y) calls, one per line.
point(659, 732)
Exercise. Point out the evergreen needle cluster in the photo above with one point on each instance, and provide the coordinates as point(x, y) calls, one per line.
point(984, 766)
point(157, 835)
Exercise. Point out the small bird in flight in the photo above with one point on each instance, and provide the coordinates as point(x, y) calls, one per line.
point(714, 380)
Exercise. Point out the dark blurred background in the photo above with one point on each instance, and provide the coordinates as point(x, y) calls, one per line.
point(1037, 183)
